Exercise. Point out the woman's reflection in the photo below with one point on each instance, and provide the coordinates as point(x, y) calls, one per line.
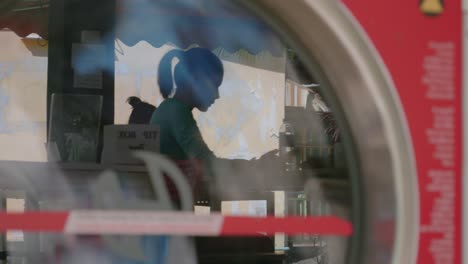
point(191, 79)
point(192, 83)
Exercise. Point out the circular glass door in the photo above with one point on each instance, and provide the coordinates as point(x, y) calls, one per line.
point(144, 131)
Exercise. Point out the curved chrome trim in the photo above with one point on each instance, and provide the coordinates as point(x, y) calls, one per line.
point(325, 33)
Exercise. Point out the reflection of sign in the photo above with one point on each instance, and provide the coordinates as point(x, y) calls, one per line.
point(251, 208)
point(88, 61)
point(431, 7)
point(121, 140)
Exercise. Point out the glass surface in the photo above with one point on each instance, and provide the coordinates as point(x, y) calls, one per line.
point(233, 111)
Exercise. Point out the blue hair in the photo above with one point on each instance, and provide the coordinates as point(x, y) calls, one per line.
point(197, 69)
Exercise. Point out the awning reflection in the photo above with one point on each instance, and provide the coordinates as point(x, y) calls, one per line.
point(182, 23)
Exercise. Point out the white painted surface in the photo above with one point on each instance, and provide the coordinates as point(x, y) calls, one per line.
point(23, 90)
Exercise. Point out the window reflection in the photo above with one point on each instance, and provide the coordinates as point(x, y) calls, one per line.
point(257, 140)
point(23, 81)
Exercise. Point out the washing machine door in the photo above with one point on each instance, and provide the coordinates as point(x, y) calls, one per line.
point(333, 44)
point(299, 75)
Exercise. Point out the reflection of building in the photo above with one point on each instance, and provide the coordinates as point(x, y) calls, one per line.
point(250, 107)
point(252, 89)
point(23, 89)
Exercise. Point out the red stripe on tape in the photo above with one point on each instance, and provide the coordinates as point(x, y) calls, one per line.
point(134, 222)
point(291, 225)
point(33, 221)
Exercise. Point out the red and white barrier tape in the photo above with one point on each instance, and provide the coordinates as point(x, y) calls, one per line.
point(169, 223)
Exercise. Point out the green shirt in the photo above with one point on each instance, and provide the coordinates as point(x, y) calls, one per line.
point(180, 137)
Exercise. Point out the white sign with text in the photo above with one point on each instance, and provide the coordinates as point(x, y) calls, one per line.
point(121, 140)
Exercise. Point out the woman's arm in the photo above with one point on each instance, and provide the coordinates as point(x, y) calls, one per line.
point(187, 134)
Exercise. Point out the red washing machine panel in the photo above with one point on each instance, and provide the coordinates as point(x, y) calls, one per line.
point(420, 43)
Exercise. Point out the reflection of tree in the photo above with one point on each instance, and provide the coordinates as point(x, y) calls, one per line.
point(331, 128)
point(316, 103)
point(80, 140)
point(79, 148)
point(75, 121)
